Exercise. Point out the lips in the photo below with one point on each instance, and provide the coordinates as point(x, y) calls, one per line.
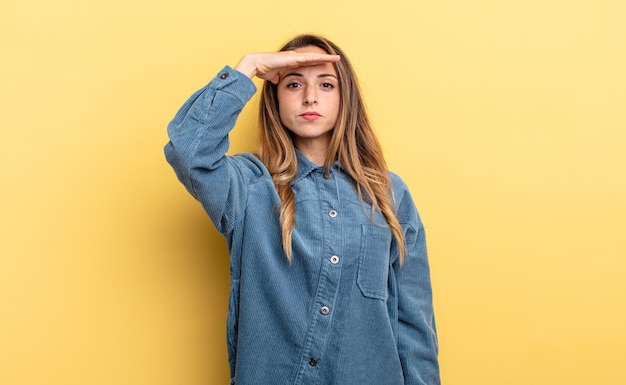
point(310, 116)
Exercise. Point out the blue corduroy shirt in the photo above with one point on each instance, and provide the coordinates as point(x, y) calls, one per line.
point(344, 312)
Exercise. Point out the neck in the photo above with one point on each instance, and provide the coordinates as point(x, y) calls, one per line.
point(314, 150)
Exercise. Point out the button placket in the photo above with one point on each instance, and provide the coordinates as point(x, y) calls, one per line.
point(327, 290)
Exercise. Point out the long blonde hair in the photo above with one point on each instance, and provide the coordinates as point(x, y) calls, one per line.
point(353, 144)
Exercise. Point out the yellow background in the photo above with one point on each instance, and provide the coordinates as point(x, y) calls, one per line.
point(506, 118)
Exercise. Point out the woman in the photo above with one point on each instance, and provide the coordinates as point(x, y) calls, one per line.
point(329, 273)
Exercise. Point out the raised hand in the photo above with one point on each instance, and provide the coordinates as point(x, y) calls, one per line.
point(268, 65)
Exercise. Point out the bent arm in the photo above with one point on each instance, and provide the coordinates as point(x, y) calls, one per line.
point(199, 134)
point(199, 141)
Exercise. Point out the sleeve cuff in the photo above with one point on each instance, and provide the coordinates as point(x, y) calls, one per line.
point(235, 82)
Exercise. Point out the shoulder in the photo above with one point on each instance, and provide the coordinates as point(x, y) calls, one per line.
point(406, 209)
point(399, 188)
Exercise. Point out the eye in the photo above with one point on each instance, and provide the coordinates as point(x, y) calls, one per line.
point(328, 86)
point(292, 85)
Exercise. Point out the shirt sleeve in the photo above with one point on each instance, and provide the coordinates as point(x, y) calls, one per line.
point(199, 141)
point(417, 335)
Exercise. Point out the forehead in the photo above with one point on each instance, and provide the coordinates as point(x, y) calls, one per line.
point(327, 68)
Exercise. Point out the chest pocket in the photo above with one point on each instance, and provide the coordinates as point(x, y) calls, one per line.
point(373, 274)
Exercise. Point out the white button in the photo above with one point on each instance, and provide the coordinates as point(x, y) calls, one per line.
point(332, 213)
point(324, 310)
point(334, 259)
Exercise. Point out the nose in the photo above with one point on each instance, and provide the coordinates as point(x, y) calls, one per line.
point(310, 97)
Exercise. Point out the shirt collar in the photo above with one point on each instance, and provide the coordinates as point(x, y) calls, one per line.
point(305, 167)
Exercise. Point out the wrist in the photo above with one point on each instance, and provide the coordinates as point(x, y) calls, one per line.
point(247, 67)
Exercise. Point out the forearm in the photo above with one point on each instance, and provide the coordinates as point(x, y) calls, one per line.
point(199, 131)
point(199, 138)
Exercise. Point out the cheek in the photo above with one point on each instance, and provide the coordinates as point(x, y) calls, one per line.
point(283, 106)
point(285, 101)
point(283, 117)
point(335, 109)
point(285, 114)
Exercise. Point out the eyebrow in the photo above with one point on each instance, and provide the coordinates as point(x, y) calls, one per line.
point(319, 76)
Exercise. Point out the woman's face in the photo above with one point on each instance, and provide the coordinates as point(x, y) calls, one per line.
point(308, 101)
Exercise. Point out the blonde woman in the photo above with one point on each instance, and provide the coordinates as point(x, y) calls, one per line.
point(330, 281)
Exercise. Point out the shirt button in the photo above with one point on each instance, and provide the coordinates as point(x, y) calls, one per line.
point(324, 310)
point(224, 75)
point(332, 213)
point(312, 361)
point(334, 259)
point(327, 174)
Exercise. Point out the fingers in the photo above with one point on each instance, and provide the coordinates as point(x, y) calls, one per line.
point(267, 65)
point(279, 61)
point(298, 59)
point(289, 59)
point(307, 58)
